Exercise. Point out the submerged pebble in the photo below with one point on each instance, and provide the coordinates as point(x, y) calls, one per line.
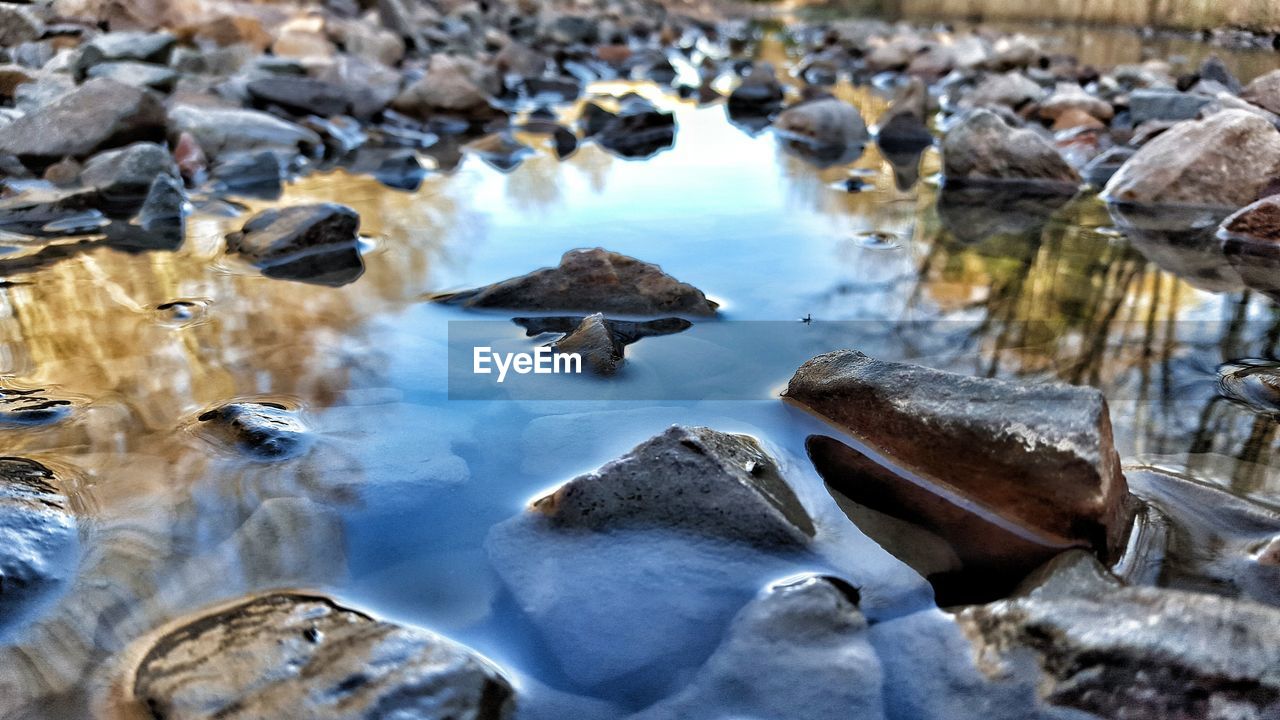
point(263, 430)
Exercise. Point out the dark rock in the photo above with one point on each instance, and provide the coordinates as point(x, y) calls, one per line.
point(279, 234)
point(259, 174)
point(801, 644)
point(1214, 70)
point(1180, 240)
point(400, 170)
point(1040, 456)
point(1250, 240)
point(1264, 92)
point(903, 128)
point(1099, 171)
point(38, 536)
point(265, 431)
point(98, 114)
point(341, 134)
point(638, 130)
point(1161, 104)
point(500, 151)
point(982, 149)
point(164, 209)
point(300, 96)
point(124, 46)
point(904, 161)
point(136, 74)
point(22, 406)
point(123, 177)
point(695, 479)
point(564, 142)
point(592, 280)
point(594, 119)
point(1224, 160)
point(225, 130)
point(289, 655)
point(599, 340)
point(823, 123)
point(758, 95)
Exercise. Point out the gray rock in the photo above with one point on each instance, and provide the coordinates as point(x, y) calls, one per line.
point(981, 148)
point(1070, 96)
point(38, 536)
point(222, 130)
point(118, 46)
point(260, 174)
point(827, 122)
point(1102, 168)
point(499, 151)
point(1264, 92)
point(695, 479)
point(1040, 456)
point(126, 174)
point(592, 280)
point(1162, 104)
point(263, 430)
point(1011, 90)
point(449, 88)
point(1224, 161)
point(281, 233)
point(301, 96)
point(137, 74)
point(18, 24)
point(289, 655)
point(800, 648)
point(98, 114)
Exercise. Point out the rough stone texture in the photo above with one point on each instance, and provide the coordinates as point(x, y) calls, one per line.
point(98, 114)
point(223, 130)
point(301, 95)
point(595, 343)
point(799, 649)
point(275, 234)
point(127, 173)
point(288, 655)
point(1259, 222)
point(1011, 90)
point(828, 121)
point(593, 280)
point(1224, 160)
point(38, 534)
point(125, 46)
point(696, 479)
point(1040, 455)
point(1165, 104)
point(263, 430)
point(982, 148)
point(1135, 653)
point(1264, 92)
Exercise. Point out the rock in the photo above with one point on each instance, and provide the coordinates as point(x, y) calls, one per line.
point(1076, 119)
point(693, 479)
point(223, 130)
point(594, 343)
point(38, 536)
point(1070, 97)
point(1100, 170)
point(303, 38)
point(1214, 70)
point(598, 340)
point(983, 149)
point(592, 280)
point(136, 74)
point(301, 96)
point(1011, 90)
point(124, 46)
point(1163, 104)
point(366, 85)
point(125, 175)
point(273, 235)
point(98, 114)
point(1264, 92)
point(257, 174)
point(903, 128)
point(1136, 652)
point(637, 130)
point(11, 76)
point(759, 93)
point(265, 431)
point(500, 151)
point(1224, 160)
point(227, 30)
point(1250, 240)
point(801, 644)
point(827, 122)
point(1039, 455)
point(164, 207)
point(368, 43)
point(290, 655)
point(18, 24)
point(447, 89)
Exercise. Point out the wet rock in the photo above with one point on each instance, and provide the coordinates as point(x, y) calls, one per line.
point(595, 343)
point(447, 89)
point(98, 114)
point(1250, 240)
point(801, 644)
point(1159, 104)
point(1099, 171)
point(1180, 240)
point(903, 127)
point(759, 95)
point(401, 170)
point(38, 536)
point(18, 24)
point(125, 46)
point(1224, 160)
point(637, 130)
point(500, 151)
point(136, 74)
point(1012, 90)
point(34, 406)
point(621, 332)
point(300, 96)
point(257, 174)
point(296, 655)
point(1137, 652)
point(983, 149)
point(1264, 92)
point(123, 177)
point(695, 479)
point(224, 130)
point(265, 431)
point(1039, 455)
point(592, 280)
point(278, 233)
point(824, 123)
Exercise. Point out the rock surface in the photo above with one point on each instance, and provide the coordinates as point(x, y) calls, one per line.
point(1264, 92)
point(1224, 160)
point(98, 114)
point(826, 122)
point(594, 280)
point(38, 534)
point(1040, 455)
point(983, 149)
point(289, 655)
point(224, 130)
point(595, 343)
point(266, 431)
point(280, 234)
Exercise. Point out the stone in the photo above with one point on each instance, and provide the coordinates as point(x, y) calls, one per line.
point(1071, 97)
point(11, 76)
point(802, 643)
point(18, 24)
point(38, 536)
point(137, 74)
point(690, 478)
point(500, 151)
point(300, 96)
point(1165, 104)
point(595, 343)
point(1214, 70)
point(264, 431)
point(903, 128)
point(759, 93)
point(592, 280)
point(222, 130)
point(1264, 92)
point(1040, 455)
point(447, 89)
point(637, 130)
point(1099, 171)
point(293, 655)
point(368, 43)
point(827, 122)
point(1011, 90)
point(125, 175)
point(1076, 119)
point(254, 173)
point(125, 46)
point(98, 114)
point(367, 86)
point(227, 30)
point(981, 148)
point(1250, 240)
point(277, 234)
point(1224, 160)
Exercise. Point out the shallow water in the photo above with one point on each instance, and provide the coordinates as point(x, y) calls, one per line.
point(391, 505)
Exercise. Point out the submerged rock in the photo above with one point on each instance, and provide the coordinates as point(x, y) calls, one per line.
point(290, 655)
point(591, 280)
point(983, 149)
point(695, 479)
point(1224, 160)
point(1040, 456)
point(38, 536)
point(801, 644)
point(98, 114)
point(267, 431)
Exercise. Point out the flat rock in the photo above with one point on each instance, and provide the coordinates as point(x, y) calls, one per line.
point(125, 46)
point(223, 130)
point(38, 536)
point(592, 280)
point(1165, 104)
point(1224, 160)
point(275, 234)
point(983, 149)
point(263, 430)
point(800, 644)
point(18, 24)
point(825, 122)
point(1038, 454)
point(290, 655)
point(137, 74)
point(98, 114)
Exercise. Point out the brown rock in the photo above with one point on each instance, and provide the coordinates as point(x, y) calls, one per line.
point(1075, 118)
point(227, 30)
point(1264, 92)
point(982, 148)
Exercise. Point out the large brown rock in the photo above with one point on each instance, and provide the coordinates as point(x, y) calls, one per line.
point(299, 656)
point(1224, 160)
point(1039, 455)
point(99, 114)
point(594, 280)
point(983, 149)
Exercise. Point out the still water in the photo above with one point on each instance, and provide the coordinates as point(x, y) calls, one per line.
point(392, 506)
